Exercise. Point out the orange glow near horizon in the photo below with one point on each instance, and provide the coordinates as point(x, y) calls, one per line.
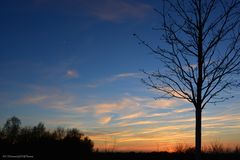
point(154, 146)
point(155, 143)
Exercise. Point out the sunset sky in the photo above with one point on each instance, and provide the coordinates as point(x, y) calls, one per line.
point(75, 63)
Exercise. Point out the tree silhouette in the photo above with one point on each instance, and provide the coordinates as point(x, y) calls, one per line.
point(39, 130)
point(59, 133)
point(40, 142)
point(11, 129)
point(200, 52)
point(73, 133)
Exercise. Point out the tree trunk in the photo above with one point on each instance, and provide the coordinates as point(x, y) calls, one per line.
point(198, 134)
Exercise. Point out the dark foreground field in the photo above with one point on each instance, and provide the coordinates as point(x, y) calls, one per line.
point(164, 156)
point(50, 151)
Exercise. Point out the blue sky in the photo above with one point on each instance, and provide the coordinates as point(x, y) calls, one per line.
point(76, 64)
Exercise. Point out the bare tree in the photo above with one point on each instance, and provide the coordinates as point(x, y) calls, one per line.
point(200, 51)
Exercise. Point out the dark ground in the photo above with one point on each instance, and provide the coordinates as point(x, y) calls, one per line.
point(163, 156)
point(72, 152)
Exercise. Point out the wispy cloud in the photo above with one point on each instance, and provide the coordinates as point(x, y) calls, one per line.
point(120, 107)
point(124, 124)
point(137, 106)
point(117, 10)
point(222, 118)
point(105, 120)
point(123, 76)
point(48, 97)
point(158, 115)
point(131, 116)
point(33, 99)
point(131, 108)
point(114, 78)
point(184, 110)
point(81, 109)
point(71, 73)
point(166, 128)
point(164, 103)
point(182, 120)
point(107, 107)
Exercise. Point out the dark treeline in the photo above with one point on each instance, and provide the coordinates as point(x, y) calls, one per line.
point(38, 142)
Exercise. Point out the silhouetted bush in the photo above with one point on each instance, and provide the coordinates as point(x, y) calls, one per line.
point(216, 147)
point(237, 149)
point(38, 142)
